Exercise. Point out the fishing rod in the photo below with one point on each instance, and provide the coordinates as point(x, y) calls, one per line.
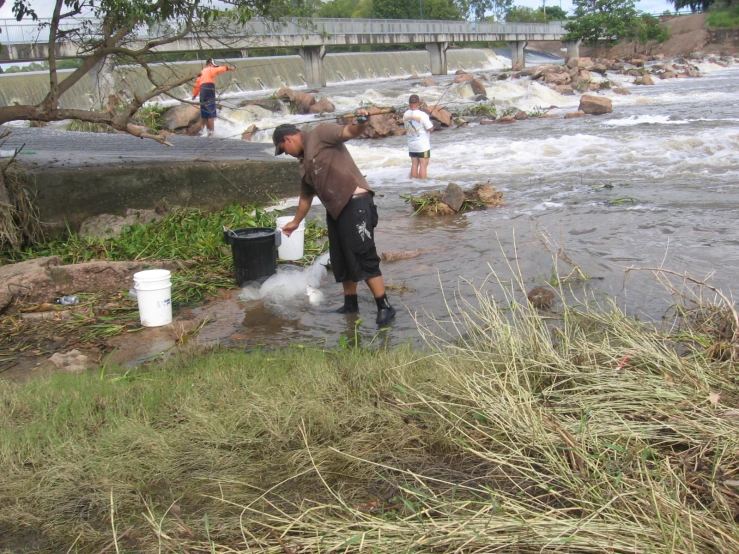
point(378, 111)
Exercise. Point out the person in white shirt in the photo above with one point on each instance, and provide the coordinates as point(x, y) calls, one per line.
point(418, 129)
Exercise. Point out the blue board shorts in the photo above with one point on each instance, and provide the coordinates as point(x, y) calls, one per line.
point(426, 154)
point(208, 101)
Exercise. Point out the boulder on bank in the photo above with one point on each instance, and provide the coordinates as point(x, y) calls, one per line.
point(181, 116)
point(270, 104)
point(463, 78)
point(249, 133)
point(299, 101)
point(482, 196)
point(109, 225)
point(478, 89)
point(585, 63)
point(439, 114)
point(324, 105)
point(645, 80)
point(595, 105)
point(380, 125)
point(564, 90)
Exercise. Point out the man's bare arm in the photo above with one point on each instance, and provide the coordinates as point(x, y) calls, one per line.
point(354, 129)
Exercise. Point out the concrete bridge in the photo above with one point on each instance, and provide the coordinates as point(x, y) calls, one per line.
point(25, 42)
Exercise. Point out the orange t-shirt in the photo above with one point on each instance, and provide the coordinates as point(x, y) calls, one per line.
point(207, 75)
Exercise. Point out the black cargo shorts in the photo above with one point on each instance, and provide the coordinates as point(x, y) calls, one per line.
point(351, 240)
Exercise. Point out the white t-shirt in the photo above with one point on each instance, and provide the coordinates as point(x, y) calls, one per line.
point(417, 124)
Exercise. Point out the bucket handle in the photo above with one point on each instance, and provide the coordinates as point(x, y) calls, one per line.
point(229, 234)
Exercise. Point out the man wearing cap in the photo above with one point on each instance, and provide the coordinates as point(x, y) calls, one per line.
point(328, 170)
point(206, 86)
point(418, 128)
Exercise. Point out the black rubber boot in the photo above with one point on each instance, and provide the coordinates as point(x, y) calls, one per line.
point(351, 305)
point(385, 312)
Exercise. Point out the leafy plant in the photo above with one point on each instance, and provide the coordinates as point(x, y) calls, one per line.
point(151, 117)
point(481, 109)
point(538, 111)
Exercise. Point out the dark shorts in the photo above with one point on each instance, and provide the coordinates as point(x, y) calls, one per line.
point(426, 154)
point(351, 240)
point(208, 101)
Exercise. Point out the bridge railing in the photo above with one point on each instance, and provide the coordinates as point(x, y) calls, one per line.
point(14, 32)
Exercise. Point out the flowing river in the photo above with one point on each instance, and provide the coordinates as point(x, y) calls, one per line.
point(654, 184)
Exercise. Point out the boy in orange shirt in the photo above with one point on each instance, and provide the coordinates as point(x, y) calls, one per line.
point(205, 85)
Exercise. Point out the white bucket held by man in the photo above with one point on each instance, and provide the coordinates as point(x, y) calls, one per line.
point(292, 247)
point(154, 294)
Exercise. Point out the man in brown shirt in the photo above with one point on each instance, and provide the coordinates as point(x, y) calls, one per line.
point(328, 170)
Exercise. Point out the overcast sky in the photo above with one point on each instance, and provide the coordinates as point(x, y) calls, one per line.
point(44, 7)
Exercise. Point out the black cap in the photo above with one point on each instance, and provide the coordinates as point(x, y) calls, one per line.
point(211, 62)
point(279, 135)
point(414, 99)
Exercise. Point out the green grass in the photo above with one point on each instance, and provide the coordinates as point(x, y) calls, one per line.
point(724, 18)
point(582, 431)
point(89, 127)
point(193, 239)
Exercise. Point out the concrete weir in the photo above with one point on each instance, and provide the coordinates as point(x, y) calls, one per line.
point(87, 174)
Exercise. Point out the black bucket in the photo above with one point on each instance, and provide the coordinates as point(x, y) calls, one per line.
point(254, 252)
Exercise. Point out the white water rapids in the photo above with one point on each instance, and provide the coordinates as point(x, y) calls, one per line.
point(654, 184)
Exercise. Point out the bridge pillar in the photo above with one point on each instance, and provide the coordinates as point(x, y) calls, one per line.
point(517, 55)
point(438, 57)
point(102, 82)
point(573, 48)
point(313, 58)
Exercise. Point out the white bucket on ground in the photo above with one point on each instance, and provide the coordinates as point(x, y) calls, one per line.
point(292, 246)
point(154, 293)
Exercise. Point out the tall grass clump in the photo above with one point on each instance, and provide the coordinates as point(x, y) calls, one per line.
point(581, 431)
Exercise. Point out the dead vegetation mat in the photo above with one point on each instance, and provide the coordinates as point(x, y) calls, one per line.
point(584, 432)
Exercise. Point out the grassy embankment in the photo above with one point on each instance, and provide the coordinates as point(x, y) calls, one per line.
point(192, 238)
point(582, 431)
point(724, 18)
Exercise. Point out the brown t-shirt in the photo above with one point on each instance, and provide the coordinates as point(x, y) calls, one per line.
point(327, 169)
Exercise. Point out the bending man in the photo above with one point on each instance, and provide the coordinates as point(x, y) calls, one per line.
point(328, 170)
point(206, 86)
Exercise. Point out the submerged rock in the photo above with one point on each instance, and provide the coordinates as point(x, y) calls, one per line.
point(71, 362)
point(453, 196)
point(482, 196)
point(541, 298)
point(595, 105)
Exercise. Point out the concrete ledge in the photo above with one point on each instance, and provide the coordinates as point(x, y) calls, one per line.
point(69, 196)
point(80, 175)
